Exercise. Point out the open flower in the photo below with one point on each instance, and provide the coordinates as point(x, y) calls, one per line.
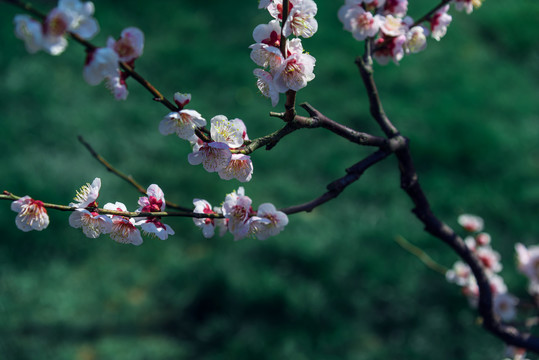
point(87, 195)
point(439, 22)
point(80, 15)
point(294, 73)
point(237, 209)
point(270, 221)
point(92, 223)
point(123, 229)
point(183, 123)
point(32, 215)
point(213, 156)
point(100, 63)
point(130, 44)
point(29, 31)
point(240, 167)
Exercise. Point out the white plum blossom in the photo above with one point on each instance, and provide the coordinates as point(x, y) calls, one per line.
point(32, 215)
point(471, 223)
point(123, 229)
point(460, 274)
point(439, 22)
point(87, 195)
point(362, 24)
point(301, 21)
point(227, 131)
point(262, 4)
point(54, 27)
point(505, 306)
point(266, 86)
point(416, 40)
point(100, 63)
point(270, 221)
point(343, 11)
point(183, 123)
point(528, 264)
point(213, 156)
point(240, 167)
point(206, 224)
point(182, 99)
point(294, 73)
point(92, 223)
point(80, 15)
point(130, 44)
point(393, 26)
point(466, 5)
point(153, 226)
point(30, 31)
point(237, 210)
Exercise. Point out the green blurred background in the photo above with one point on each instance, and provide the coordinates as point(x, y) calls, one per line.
point(334, 284)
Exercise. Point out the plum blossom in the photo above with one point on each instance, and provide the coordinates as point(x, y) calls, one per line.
point(183, 123)
point(393, 26)
point(100, 64)
point(182, 99)
point(262, 4)
point(505, 306)
point(213, 156)
point(130, 44)
point(154, 202)
point(30, 31)
point(270, 221)
point(123, 229)
point(466, 5)
point(416, 40)
point(343, 11)
point(362, 24)
point(266, 86)
point(460, 274)
point(266, 51)
point(227, 131)
point(240, 167)
point(528, 264)
point(117, 86)
point(32, 215)
point(471, 223)
point(87, 195)
point(301, 21)
point(236, 209)
point(80, 15)
point(439, 22)
point(206, 224)
point(54, 28)
point(396, 7)
point(294, 73)
point(92, 223)
point(390, 48)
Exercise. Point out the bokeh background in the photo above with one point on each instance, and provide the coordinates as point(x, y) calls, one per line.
point(334, 284)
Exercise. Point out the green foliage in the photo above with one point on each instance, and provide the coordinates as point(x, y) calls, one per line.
point(334, 284)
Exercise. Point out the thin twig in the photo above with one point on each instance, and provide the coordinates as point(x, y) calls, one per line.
point(420, 254)
point(123, 176)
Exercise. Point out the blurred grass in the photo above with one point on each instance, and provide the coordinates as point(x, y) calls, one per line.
point(334, 284)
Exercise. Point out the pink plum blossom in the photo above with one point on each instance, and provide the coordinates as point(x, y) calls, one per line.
point(362, 24)
point(130, 44)
point(271, 221)
point(391, 48)
point(528, 264)
point(87, 195)
point(471, 223)
point(117, 86)
point(206, 224)
point(123, 229)
point(466, 5)
point(92, 223)
point(55, 26)
point(240, 167)
point(460, 274)
point(153, 202)
point(343, 11)
point(396, 7)
point(439, 22)
point(32, 215)
point(237, 210)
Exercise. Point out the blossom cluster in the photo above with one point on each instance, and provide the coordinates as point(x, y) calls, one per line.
point(396, 34)
point(235, 215)
point(479, 242)
point(74, 17)
point(292, 68)
point(215, 155)
point(239, 217)
point(69, 16)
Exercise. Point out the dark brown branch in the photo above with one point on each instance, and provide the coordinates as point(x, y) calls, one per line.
point(337, 186)
point(123, 176)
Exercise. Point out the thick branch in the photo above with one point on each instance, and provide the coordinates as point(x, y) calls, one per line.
point(337, 186)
